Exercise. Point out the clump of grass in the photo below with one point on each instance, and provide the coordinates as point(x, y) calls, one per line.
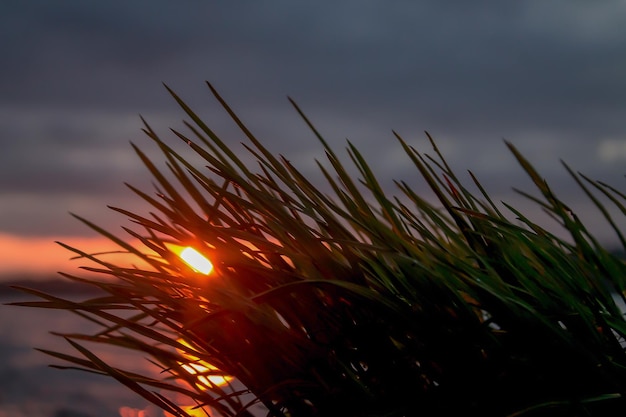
point(361, 303)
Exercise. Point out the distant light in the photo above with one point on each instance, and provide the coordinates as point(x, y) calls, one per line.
point(197, 261)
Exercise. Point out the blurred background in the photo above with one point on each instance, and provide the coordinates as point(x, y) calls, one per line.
point(75, 77)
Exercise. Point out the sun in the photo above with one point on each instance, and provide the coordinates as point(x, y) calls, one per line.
point(194, 259)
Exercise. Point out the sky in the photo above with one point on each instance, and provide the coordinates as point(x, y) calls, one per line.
point(76, 76)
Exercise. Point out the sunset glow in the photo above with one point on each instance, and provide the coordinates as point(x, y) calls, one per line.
point(206, 372)
point(193, 411)
point(41, 257)
point(201, 369)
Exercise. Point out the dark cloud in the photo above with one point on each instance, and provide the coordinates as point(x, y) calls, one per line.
point(546, 75)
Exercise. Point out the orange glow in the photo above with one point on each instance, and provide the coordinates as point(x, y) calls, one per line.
point(206, 380)
point(37, 256)
point(203, 370)
point(193, 411)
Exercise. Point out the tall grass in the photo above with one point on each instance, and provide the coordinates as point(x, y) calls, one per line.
point(358, 303)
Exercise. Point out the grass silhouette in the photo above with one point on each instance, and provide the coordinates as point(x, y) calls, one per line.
point(357, 303)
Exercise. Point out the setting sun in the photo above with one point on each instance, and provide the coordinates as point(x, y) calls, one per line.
point(197, 261)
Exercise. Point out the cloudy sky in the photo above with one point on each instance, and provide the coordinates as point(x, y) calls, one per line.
point(75, 76)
